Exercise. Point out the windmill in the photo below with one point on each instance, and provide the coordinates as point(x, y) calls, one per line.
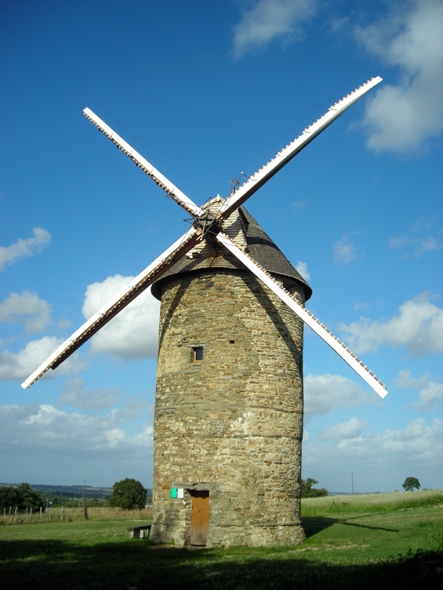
point(229, 393)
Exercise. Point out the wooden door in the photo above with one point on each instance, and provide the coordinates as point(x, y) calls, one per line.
point(199, 517)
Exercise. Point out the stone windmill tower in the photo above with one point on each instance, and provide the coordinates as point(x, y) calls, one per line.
point(229, 397)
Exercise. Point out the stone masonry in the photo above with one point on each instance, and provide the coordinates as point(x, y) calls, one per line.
point(228, 425)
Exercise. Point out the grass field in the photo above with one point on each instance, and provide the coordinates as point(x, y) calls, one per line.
point(372, 541)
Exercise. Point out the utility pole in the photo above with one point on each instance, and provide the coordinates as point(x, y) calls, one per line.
point(352, 483)
point(85, 506)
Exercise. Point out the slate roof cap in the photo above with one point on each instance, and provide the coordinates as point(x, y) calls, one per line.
point(260, 246)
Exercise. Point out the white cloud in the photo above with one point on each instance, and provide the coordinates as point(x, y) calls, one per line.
point(344, 251)
point(300, 204)
point(24, 248)
point(26, 308)
point(418, 441)
point(19, 366)
point(404, 116)
point(302, 268)
point(424, 236)
point(32, 430)
point(345, 430)
point(130, 335)
point(324, 393)
point(418, 326)
point(267, 20)
point(386, 457)
point(77, 395)
point(405, 380)
point(429, 396)
point(133, 333)
point(430, 392)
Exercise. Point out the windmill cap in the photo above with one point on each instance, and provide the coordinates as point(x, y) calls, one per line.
point(260, 246)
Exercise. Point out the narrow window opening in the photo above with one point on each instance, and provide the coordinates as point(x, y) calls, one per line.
point(197, 353)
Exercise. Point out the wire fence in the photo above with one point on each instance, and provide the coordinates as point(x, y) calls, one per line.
point(12, 515)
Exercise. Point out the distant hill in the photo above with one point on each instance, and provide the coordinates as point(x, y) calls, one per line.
point(70, 492)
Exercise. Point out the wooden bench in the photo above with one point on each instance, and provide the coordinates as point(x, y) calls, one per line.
point(138, 532)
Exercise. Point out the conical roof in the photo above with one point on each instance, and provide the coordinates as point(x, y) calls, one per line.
point(244, 230)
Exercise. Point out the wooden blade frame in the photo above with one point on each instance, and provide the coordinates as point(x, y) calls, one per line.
point(169, 188)
point(117, 303)
point(305, 315)
point(196, 234)
point(294, 148)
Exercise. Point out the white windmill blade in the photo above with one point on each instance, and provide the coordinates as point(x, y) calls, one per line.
point(169, 188)
point(290, 151)
point(141, 282)
point(306, 316)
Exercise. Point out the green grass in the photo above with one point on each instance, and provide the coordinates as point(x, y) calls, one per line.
point(376, 541)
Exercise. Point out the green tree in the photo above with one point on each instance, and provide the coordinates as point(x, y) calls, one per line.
point(410, 484)
point(307, 491)
point(128, 494)
point(30, 499)
point(22, 497)
point(9, 497)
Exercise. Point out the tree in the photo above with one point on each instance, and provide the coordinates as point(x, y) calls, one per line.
point(307, 491)
point(22, 497)
point(128, 494)
point(9, 497)
point(30, 499)
point(410, 484)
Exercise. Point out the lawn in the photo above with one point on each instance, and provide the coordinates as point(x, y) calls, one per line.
point(370, 541)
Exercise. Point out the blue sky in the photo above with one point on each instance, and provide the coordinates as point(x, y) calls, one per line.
point(207, 91)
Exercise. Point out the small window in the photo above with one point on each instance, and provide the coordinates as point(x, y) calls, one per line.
point(197, 353)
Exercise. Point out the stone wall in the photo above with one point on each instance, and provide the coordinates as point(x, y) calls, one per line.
point(232, 422)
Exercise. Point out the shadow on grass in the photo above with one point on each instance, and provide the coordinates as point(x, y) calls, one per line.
point(314, 524)
point(136, 565)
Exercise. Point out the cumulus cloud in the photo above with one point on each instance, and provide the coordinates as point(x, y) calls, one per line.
point(133, 333)
point(32, 430)
point(267, 20)
point(418, 326)
point(24, 248)
point(418, 440)
point(75, 394)
point(429, 392)
point(429, 396)
point(392, 453)
point(345, 430)
point(344, 251)
point(26, 308)
point(402, 117)
point(422, 237)
point(18, 366)
point(324, 393)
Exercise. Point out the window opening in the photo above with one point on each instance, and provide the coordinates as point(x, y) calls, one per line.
point(197, 353)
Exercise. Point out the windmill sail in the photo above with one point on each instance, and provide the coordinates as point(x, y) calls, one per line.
point(197, 234)
point(169, 188)
point(123, 298)
point(295, 147)
point(309, 319)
